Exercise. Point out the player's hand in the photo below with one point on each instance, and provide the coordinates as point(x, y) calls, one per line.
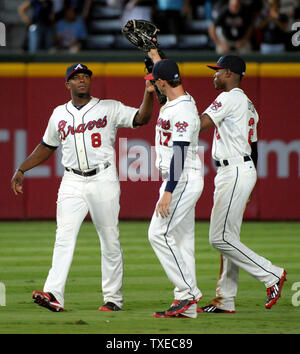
point(249, 199)
point(163, 206)
point(16, 182)
point(149, 87)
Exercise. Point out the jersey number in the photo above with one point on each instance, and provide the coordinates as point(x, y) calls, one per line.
point(251, 131)
point(96, 140)
point(166, 141)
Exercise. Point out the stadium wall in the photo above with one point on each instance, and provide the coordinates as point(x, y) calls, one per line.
point(31, 90)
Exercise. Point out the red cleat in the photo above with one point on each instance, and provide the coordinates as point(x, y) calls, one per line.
point(47, 300)
point(109, 306)
point(212, 309)
point(274, 292)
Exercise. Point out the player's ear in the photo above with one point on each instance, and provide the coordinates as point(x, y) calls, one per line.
point(228, 73)
point(67, 85)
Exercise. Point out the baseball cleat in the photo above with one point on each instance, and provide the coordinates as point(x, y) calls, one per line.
point(212, 309)
point(47, 300)
point(163, 314)
point(109, 306)
point(179, 306)
point(274, 291)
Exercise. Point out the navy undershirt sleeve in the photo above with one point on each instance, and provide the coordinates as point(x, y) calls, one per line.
point(177, 164)
point(135, 124)
point(48, 146)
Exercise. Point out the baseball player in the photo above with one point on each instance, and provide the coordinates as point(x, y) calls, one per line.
point(234, 150)
point(86, 127)
point(171, 231)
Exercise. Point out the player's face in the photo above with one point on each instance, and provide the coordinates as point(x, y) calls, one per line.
point(219, 79)
point(79, 84)
point(160, 85)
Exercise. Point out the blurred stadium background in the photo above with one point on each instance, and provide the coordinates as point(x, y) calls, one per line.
point(33, 84)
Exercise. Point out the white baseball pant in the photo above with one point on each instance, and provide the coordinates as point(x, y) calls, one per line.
point(173, 238)
point(233, 186)
point(78, 195)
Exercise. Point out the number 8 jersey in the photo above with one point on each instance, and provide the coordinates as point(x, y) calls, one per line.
point(178, 121)
point(236, 121)
point(88, 134)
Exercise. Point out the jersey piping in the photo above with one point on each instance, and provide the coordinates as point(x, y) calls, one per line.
point(74, 136)
point(188, 99)
point(223, 233)
point(86, 156)
point(165, 234)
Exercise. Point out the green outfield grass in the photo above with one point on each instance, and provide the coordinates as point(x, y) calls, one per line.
point(25, 258)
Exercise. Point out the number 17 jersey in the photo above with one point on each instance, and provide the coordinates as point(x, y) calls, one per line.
point(178, 121)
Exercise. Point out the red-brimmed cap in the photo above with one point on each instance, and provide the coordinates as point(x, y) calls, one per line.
point(165, 69)
point(149, 77)
point(232, 62)
point(215, 67)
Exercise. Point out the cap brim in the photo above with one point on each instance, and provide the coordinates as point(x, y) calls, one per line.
point(215, 67)
point(87, 71)
point(149, 77)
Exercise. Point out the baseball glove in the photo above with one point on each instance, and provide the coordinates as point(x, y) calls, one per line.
point(142, 34)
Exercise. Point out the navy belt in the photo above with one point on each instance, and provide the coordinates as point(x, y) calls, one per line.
point(88, 173)
point(82, 173)
point(226, 162)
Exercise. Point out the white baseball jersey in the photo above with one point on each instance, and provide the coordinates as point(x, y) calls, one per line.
point(236, 121)
point(178, 121)
point(88, 135)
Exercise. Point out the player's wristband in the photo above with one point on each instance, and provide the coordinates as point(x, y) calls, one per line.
point(19, 170)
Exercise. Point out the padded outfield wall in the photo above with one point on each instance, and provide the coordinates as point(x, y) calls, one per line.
point(30, 90)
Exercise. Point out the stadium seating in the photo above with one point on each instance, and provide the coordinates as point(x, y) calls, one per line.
point(108, 26)
point(192, 41)
point(104, 26)
point(99, 41)
point(104, 29)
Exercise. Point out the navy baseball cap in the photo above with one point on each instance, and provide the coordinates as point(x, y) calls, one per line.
point(77, 68)
point(165, 69)
point(232, 62)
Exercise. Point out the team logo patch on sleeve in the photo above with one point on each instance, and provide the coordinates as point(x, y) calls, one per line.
point(181, 126)
point(215, 105)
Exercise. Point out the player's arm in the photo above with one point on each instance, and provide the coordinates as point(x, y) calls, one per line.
point(176, 168)
point(144, 113)
point(254, 153)
point(40, 154)
point(254, 157)
point(154, 55)
point(206, 122)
